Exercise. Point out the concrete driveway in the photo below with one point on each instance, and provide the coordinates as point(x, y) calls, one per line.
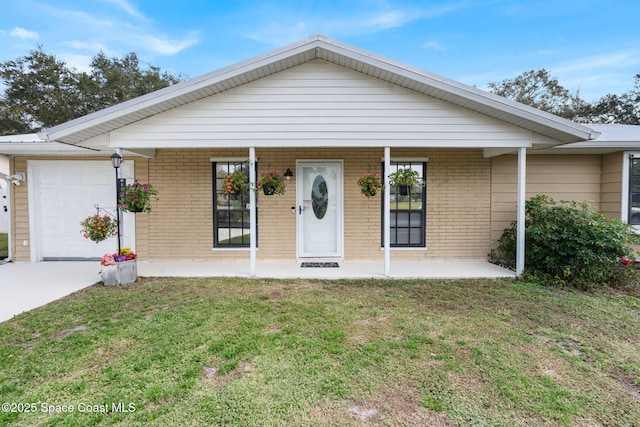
point(25, 286)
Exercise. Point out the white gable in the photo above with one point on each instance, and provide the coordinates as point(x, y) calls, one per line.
point(319, 104)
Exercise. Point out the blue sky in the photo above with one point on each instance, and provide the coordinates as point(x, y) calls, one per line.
point(591, 46)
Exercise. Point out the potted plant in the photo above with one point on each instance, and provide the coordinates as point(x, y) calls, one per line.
point(271, 183)
point(136, 197)
point(119, 268)
point(404, 180)
point(99, 227)
point(236, 182)
point(370, 184)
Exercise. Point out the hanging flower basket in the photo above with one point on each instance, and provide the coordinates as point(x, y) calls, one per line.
point(271, 183)
point(404, 180)
point(236, 182)
point(99, 227)
point(136, 197)
point(370, 184)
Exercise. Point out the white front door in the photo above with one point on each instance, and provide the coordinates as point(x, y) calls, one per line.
point(319, 195)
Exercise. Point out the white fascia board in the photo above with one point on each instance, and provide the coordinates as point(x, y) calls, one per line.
point(320, 143)
point(174, 91)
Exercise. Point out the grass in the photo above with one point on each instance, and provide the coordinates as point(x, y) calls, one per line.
point(183, 352)
point(4, 245)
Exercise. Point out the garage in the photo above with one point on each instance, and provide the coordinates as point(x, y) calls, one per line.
point(65, 192)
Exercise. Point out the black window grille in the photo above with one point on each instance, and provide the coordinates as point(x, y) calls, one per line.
point(634, 191)
point(231, 225)
point(407, 213)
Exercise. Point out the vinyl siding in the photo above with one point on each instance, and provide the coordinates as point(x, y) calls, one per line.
point(610, 202)
point(319, 104)
point(563, 177)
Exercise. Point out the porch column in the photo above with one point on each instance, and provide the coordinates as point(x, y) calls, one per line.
point(252, 211)
point(522, 189)
point(387, 204)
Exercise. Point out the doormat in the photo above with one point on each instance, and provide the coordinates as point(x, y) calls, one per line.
point(319, 264)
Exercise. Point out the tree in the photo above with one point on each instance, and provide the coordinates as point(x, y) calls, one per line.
point(42, 91)
point(538, 89)
point(611, 108)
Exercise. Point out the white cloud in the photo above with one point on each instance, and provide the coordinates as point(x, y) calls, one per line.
point(127, 7)
point(433, 45)
point(165, 46)
point(21, 33)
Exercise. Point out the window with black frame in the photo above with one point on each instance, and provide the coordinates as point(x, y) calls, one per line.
point(231, 225)
point(407, 213)
point(634, 191)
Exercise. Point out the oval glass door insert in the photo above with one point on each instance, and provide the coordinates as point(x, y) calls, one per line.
point(319, 197)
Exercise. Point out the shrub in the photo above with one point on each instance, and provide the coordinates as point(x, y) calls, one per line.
point(570, 244)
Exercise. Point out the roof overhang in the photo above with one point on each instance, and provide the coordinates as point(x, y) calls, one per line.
point(32, 145)
point(318, 47)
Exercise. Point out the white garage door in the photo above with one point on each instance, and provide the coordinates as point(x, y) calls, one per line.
point(62, 194)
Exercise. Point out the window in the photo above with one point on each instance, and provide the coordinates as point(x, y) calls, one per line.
point(231, 228)
point(407, 212)
point(634, 190)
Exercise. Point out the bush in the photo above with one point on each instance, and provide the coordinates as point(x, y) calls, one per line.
point(570, 244)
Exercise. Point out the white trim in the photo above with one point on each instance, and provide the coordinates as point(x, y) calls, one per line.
point(253, 218)
point(407, 159)
point(387, 217)
point(624, 202)
point(230, 159)
point(522, 191)
point(340, 199)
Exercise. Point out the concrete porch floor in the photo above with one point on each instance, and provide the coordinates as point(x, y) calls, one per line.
point(347, 270)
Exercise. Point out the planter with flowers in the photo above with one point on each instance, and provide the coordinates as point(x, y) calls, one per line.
point(271, 183)
point(99, 227)
point(136, 197)
point(404, 180)
point(236, 183)
point(370, 184)
point(119, 269)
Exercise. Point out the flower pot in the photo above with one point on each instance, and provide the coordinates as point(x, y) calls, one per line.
point(120, 273)
point(268, 190)
point(404, 190)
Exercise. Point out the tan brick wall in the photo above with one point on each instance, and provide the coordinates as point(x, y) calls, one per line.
point(180, 226)
point(458, 212)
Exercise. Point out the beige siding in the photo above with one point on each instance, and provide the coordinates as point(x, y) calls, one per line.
point(611, 185)
point(563, 177)
point(458, 206)
point(318, 103)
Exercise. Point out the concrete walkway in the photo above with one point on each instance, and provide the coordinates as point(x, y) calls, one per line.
point(25, 286)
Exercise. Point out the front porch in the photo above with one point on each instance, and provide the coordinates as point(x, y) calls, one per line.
point(346, 270)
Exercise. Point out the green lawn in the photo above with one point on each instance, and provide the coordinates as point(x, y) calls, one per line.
point(189, 352)
point(4, 245)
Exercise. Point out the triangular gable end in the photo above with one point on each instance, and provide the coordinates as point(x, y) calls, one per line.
point(319, 104)
point(313, 48)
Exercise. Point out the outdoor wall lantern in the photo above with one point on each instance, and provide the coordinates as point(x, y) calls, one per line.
point(288, 174)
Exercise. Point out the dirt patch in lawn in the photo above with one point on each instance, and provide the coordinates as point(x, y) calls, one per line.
point(63, 334)
point(395, 407)
point(212, 375)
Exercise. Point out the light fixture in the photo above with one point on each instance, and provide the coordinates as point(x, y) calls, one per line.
point(288, 174)
point(116, 160)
